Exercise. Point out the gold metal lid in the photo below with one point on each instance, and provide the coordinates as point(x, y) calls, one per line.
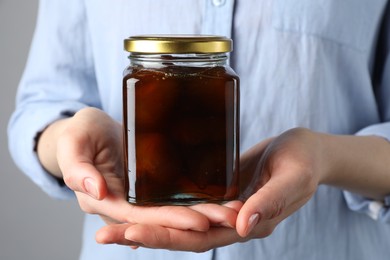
point(164, 44)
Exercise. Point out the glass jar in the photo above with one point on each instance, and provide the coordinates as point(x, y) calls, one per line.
point(181, 120)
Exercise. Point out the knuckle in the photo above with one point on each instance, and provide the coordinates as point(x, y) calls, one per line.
point(277, 207)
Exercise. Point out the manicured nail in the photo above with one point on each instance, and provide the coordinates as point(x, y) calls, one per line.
point(252, 222)
point(91, 188)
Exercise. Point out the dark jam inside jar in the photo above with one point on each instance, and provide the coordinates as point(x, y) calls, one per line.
point(181, 135)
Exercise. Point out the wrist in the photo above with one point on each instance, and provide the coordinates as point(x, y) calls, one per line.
point(329, 158)
point(47, 147)
point(322, 156)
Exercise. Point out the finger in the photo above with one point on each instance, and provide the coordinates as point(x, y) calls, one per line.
point(219, 215)
point(234, 204)
point(173, 239)
point(169, 216)
point(75, 158)
point(115, 234)
point(112, 234)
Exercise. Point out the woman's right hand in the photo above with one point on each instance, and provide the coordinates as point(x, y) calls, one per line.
point(86, 151)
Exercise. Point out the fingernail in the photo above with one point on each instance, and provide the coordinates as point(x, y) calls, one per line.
point(91, 188)
point(252, 222)
point(226, 224)
point(135, 245)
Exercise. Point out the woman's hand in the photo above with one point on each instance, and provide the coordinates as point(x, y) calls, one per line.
point(285, 173)
point(86, 151)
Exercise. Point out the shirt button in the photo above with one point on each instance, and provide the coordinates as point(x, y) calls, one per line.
point(219, 2)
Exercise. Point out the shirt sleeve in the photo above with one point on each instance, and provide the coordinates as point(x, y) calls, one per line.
point(378, 210)
point(58, 80)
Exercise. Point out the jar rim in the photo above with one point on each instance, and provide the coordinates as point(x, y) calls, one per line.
point(180, 43)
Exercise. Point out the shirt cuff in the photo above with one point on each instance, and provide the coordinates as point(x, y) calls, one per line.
point(377, 210)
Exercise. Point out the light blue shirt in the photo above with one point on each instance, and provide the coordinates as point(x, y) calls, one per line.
point(320, 64)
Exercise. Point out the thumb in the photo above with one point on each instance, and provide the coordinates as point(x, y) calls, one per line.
point(266, 204)
point(83, 177)
point(75, 159)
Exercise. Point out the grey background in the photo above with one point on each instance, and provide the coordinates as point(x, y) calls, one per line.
point(32, 225)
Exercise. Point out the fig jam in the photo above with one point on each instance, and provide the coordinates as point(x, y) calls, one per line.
point(180, 127)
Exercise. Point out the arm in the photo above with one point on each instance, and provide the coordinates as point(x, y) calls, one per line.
point(359, 164)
